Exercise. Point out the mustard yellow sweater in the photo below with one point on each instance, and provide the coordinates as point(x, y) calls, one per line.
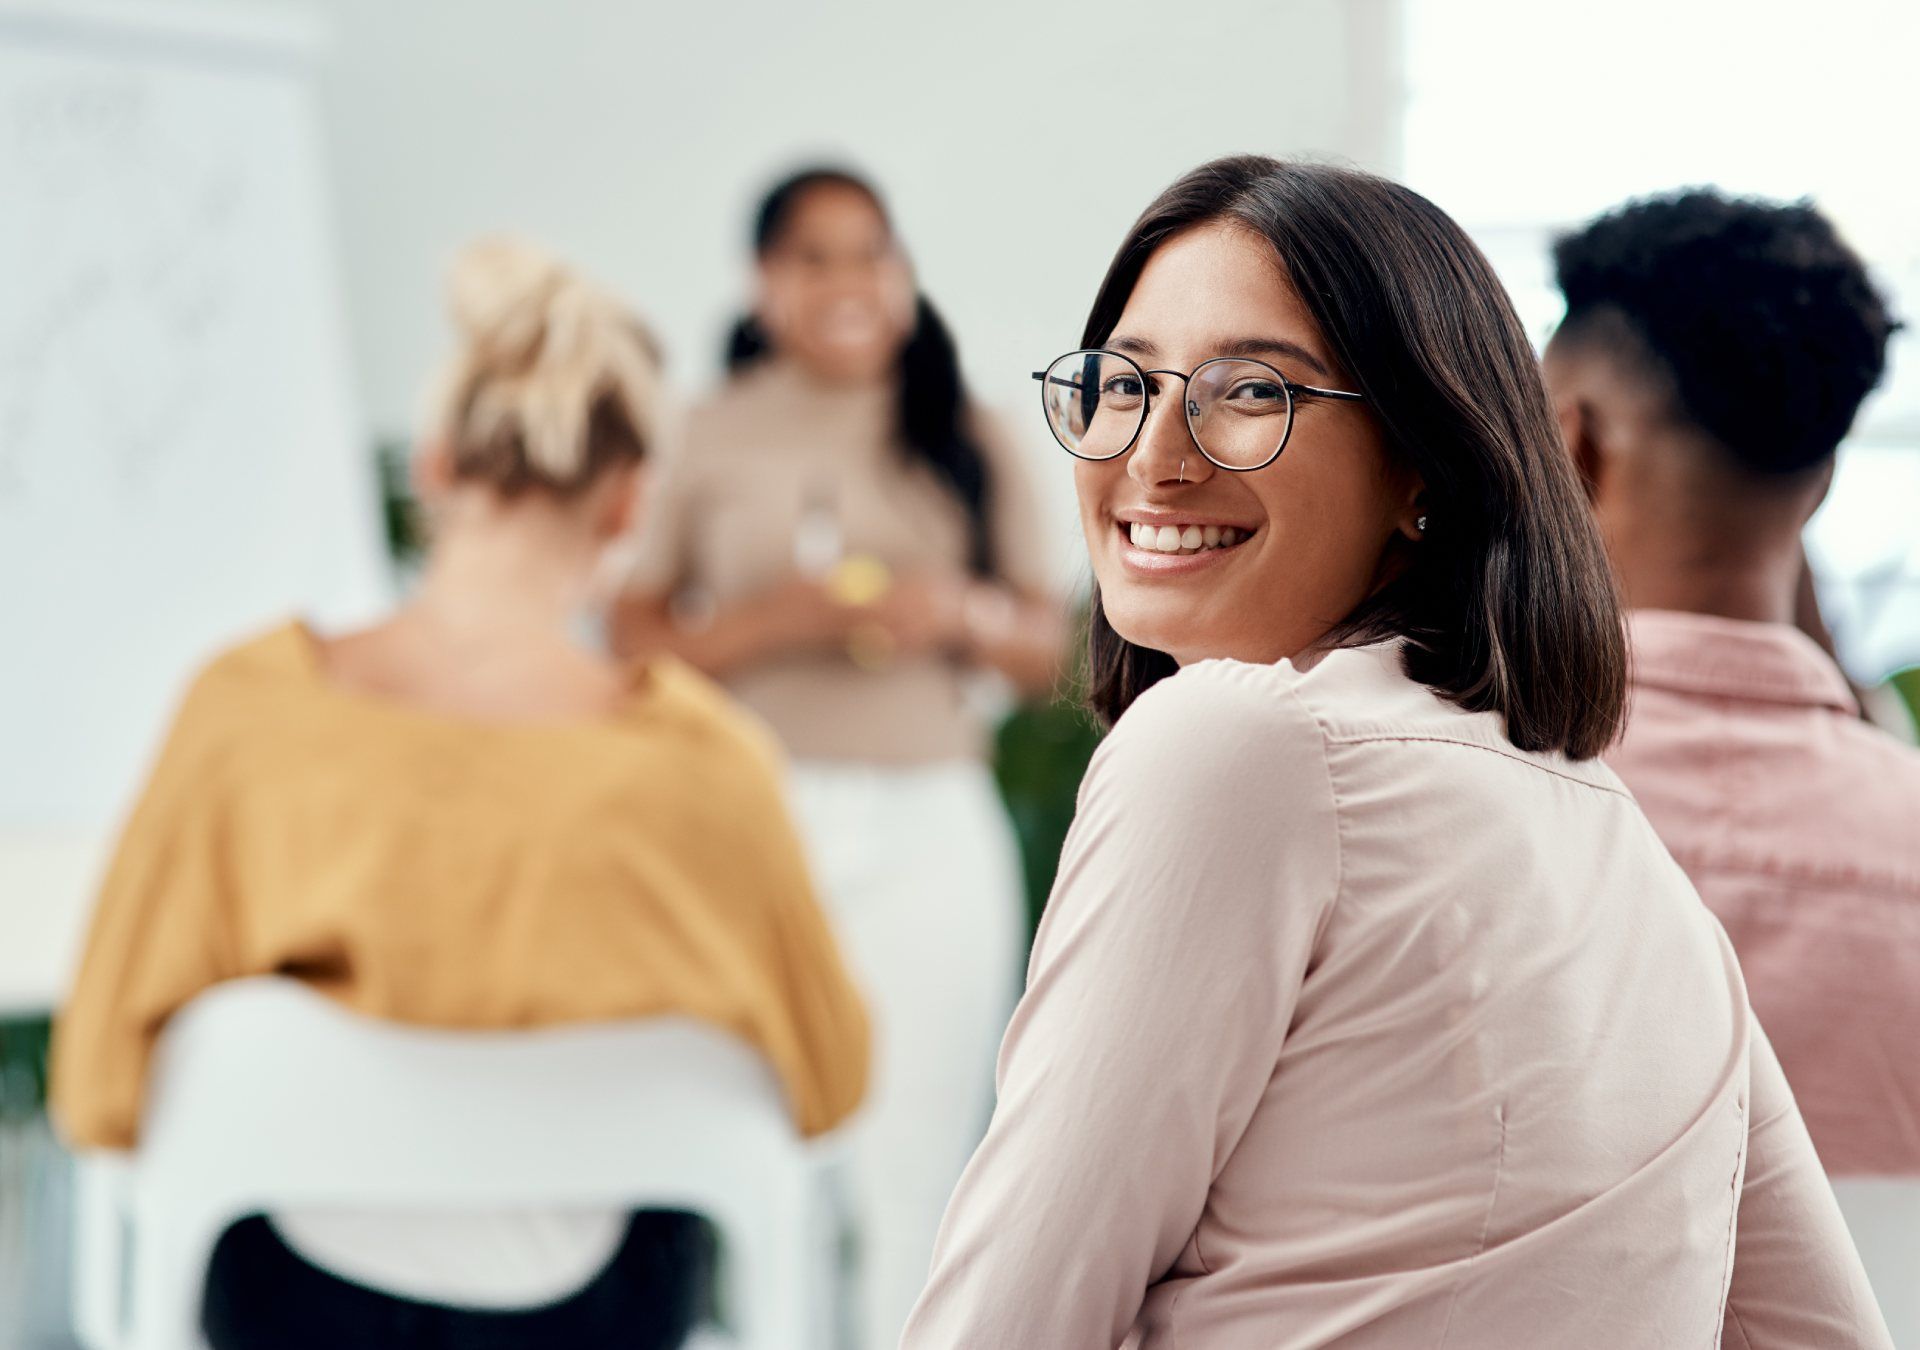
point(455, 873)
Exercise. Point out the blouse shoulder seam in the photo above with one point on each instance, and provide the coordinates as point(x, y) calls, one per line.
point(1434, 738)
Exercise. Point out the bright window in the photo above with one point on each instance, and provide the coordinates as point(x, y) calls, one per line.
point(1524, 119)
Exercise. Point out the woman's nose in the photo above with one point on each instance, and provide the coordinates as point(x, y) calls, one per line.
point(1165, 452)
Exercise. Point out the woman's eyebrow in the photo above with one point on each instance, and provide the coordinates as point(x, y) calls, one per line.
point(1247, 346)
point(1261, 346)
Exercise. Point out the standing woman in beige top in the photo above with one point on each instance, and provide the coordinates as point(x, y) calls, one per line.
point(846, 540)
point(1367, 1010)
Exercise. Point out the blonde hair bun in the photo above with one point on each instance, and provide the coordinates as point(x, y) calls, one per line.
point(553, 379)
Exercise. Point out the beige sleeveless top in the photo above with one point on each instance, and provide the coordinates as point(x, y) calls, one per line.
point(776, 471)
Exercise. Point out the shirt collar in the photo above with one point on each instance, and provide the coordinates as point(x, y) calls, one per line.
point(1735, 658)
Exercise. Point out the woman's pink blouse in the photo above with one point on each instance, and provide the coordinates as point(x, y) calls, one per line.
point(1349, 1024)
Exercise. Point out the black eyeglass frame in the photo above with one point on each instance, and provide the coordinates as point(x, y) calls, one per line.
point(1293, 390)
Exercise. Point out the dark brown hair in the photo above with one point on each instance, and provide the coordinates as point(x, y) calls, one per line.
point(1508, 604)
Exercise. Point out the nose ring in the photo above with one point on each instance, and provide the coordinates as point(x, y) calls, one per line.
point(1183, 468)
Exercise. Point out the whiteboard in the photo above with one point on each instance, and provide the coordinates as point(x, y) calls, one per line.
point(181, 461)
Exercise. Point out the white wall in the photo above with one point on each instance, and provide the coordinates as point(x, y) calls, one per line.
point(1016, 141)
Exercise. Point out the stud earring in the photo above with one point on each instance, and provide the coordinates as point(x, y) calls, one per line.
point(1421, 524)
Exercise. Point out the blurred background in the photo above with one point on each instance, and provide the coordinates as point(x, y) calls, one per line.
point(223, 230)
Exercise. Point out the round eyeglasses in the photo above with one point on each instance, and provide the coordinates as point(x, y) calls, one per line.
point(1239, 411)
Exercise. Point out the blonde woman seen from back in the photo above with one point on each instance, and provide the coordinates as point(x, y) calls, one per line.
point(461, 818)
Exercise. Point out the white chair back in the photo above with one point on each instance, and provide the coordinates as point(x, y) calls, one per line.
point(1883, 1214)
point(267, 1096)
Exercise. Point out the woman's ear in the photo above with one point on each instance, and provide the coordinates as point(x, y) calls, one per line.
point(1411, 519)
point(432, 469)
point(619, 500)
point(1408, 519)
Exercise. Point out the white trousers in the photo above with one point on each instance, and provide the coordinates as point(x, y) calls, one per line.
point(920, 872)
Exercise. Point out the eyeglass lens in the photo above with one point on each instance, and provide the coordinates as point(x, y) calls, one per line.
point(1238, 411)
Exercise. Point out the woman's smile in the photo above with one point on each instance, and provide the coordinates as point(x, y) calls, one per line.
point(1176, 543)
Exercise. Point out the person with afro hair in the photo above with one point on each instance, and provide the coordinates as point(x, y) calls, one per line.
point(1714, 353)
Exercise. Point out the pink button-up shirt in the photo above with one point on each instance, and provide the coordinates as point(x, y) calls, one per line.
point(1800, 826)
point(1351, 1025)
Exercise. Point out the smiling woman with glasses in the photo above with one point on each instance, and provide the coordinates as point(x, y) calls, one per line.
point(1367, 1010)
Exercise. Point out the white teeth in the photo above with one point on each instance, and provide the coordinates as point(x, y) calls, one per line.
point(1182, 538)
